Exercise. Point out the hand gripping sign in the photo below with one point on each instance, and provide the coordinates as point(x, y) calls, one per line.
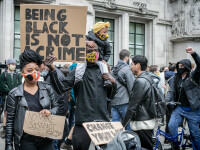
point(54, 29)
point(38, 125)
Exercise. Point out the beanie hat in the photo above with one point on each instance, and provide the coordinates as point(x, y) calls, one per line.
point(100, 25)
point(11, 61)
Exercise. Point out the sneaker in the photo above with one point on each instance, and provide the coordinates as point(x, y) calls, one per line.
point(107, 83)
point(2, 134)
point(66, 147)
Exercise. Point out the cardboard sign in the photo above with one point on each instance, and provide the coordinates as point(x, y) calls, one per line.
point(54, 29)
point(102, 132)
point(51, 126)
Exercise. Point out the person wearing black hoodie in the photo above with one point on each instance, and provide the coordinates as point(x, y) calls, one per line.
point(185, 89)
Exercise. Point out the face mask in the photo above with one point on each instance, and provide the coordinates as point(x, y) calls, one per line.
point(130, 61)
point(103, 37)
point(44, 73)
point(12, 67)
point(34, 76)
point(158, 74)
point(92, 57)
point(181, 70)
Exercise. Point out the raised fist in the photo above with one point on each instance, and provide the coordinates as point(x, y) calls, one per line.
point(189, 50)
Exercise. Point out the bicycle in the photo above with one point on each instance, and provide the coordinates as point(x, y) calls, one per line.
point(183, 139)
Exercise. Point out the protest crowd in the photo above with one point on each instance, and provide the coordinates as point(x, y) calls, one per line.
point(94, 92)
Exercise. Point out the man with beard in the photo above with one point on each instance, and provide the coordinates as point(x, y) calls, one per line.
point(91, 96)
point(124, 79)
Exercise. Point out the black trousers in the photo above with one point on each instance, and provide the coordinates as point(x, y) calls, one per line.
point(35, 143)
point(146, 138)
point(80, 138)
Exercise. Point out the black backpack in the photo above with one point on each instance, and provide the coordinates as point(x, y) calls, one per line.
point(157, 108)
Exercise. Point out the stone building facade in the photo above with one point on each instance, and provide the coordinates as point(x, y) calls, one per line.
point(158, 29)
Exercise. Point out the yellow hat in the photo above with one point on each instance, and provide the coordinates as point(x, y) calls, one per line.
point(100, 25)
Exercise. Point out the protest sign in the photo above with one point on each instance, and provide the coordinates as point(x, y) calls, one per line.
point(38, 125)
point(54, 29)
point(102, 132)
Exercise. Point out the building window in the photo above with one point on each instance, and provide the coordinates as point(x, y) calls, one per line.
point(110, 39)
point(136, 38)
point(17, 33)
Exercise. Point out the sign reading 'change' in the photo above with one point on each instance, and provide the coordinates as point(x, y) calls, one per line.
point(54, 30)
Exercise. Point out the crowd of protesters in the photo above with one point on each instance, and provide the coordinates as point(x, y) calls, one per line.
point(91, 91)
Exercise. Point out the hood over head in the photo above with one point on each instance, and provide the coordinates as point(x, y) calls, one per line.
point(169, 74)
point(185, 62)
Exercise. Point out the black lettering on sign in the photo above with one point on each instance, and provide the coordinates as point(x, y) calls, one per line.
point(40, 48)
point(95, 135)
point(27, 48)
point(28, 26)
point(88, 127)
point(41, 14)
point(51, 27)
point(77, 36)
point(27, 39)
point(35, 30)
point(45, 28)
point(28, 14)
point(62, 27)
point(60, 15)
point(65, 40)
point(70, 51)
point(49, 50)
point(59, 53)
point(48, 13)
point(51, 38)
point(35, 15)
point(33, 36)
point(101, 138)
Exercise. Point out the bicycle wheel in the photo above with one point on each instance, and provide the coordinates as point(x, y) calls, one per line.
point(159, 147)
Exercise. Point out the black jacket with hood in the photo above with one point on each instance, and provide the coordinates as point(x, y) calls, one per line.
point(103, 46)
point(190, 85)
point(91, 95)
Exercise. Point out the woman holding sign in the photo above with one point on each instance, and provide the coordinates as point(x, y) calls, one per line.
point(33, 96)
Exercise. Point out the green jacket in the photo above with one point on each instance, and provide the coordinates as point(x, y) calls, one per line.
point(7, 82)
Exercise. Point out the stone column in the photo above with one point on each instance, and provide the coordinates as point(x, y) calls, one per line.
point(8, 29)
point(125, 31)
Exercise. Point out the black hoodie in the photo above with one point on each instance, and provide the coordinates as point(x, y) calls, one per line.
point(181, 94)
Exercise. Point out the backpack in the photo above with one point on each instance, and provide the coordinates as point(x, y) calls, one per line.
point(157, 107)
point(125, 140)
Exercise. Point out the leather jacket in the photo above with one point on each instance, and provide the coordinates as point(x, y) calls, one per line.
point(191, 85)
point(139, 101)
point(16, 107)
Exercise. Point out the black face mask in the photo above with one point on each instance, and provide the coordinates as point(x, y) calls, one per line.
point(181, 70)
